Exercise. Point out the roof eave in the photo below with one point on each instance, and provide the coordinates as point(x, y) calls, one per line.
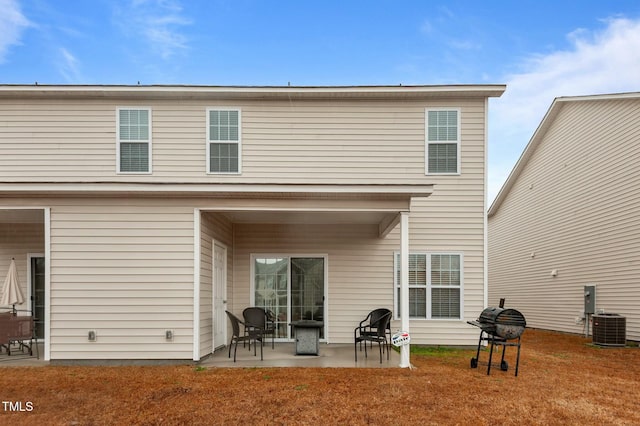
point(243, 92)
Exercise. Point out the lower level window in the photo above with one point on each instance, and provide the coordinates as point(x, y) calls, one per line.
point(435, 285)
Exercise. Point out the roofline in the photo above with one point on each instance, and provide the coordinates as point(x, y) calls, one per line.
point(194, 91)
point(208, 190)
point(539, 133)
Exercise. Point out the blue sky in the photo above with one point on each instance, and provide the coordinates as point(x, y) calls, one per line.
point(540, 49)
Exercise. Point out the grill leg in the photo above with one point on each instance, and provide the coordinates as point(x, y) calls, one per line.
point(518, 357)
point(474, 361)
point(503, 364)
point(490, 355)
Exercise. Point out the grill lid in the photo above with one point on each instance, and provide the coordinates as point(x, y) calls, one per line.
point(505, 323)
point(495, 316)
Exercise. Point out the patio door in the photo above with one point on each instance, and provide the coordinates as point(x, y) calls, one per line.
point(36, 278)
point(292, 287)
point(219, 294)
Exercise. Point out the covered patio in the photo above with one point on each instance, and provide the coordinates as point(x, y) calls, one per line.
point(258, 244)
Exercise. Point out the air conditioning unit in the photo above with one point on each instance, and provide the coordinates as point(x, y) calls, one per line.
point(609, 330)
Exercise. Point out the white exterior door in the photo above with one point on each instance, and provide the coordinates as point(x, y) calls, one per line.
point(219, 294)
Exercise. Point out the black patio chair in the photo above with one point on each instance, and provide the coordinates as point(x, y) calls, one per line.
point(237, 337)
point(270, 326)
point(372, 331)
point(255, 324)
point(373, 318)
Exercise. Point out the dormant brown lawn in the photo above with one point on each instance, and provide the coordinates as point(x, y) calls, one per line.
point(562, 380)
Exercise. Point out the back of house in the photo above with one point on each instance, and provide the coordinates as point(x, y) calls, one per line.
point(138, 214)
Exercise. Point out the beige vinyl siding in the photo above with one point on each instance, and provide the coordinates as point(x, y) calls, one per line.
point(574, 209)
point(282, 142)
point(136, 255)
point(123, 268)
point(360, 264)
point(18, 240)
point(213, 227)
point(452, 220)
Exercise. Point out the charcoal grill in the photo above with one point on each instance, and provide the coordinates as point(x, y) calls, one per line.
point(499, 327)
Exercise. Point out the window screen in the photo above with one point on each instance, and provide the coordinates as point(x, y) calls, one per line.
point(134, 140)
point(224, 141)
point(442, 141)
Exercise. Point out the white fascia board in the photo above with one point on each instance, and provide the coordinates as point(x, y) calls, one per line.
point(194, 189)
point(462, 90)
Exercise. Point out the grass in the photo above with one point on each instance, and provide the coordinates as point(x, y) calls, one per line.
point(562, 381)
point(440, 351)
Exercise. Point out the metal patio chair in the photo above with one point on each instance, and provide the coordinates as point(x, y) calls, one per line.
point(256, 321)
point(373, 318)
point(237, 337)
point(372, 331)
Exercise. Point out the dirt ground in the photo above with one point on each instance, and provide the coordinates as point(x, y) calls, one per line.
point(562, 380)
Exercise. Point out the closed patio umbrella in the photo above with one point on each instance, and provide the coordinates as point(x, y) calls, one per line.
point(11, 291)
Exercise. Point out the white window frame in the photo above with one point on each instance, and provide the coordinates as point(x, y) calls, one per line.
point(429, 287)
point(209, 141)
point(148, 141)
point(428, 142)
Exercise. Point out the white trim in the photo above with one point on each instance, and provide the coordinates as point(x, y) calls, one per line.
point(458, 141)
point(429, 286)
point(468, 90)
point(325, 256)
point(209, 141)
point(485, 218)
point(405, 361)
point(196, 284)
point(215, 243)
point(148, 141)
point(47, 284)
point(205, 189)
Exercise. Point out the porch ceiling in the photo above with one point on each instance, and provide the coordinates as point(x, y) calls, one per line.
point(307, 217)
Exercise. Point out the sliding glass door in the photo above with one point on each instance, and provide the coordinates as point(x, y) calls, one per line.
point(293, 288)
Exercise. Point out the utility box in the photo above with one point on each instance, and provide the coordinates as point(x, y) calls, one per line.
point(589, 299)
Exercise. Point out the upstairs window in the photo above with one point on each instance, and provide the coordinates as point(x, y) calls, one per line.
point(223, 141)
point(134, 140)
point(443, 141)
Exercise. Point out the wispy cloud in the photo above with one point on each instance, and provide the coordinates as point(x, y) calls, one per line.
point(604, 61)
point(69, 67)
point(160, 23)
point(12, 24)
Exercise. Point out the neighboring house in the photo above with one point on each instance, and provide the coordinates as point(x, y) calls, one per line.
point(141, 213)
point(569, 216)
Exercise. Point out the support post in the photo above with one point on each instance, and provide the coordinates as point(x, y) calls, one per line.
point(405, 361)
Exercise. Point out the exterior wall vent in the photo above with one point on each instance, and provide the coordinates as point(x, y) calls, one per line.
point(609, 330)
